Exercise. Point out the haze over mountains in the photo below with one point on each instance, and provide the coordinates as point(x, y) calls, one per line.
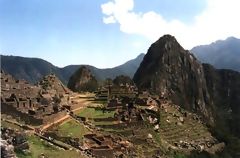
point(224, 54)
point(33, 69)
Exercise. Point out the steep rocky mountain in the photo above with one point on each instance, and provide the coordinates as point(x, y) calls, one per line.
point(224, 54)
point(169, 70)
point(82, 80)
point(33, 69)
point(224, 90)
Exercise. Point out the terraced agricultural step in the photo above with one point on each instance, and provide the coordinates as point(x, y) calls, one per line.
point(175, 135)
point(173, 132)
point(125, 133)
point(168, 128)
point(138, 141)
point(184, 132)
point(194, 137)
point(200, 136)
point(172, 126)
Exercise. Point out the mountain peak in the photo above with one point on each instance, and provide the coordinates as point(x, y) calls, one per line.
point(166, 45)
point(82, 80)
point(169, 70)
point(232, 38)
point(222, 54)
point(167, 42)
point(167, 37)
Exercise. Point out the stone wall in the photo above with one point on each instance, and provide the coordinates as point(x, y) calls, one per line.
point(10, 110)
point(54, 117)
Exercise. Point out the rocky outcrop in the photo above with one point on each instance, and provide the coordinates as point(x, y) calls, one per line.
point(82, 80)
point(169, 70)
point(7, 150)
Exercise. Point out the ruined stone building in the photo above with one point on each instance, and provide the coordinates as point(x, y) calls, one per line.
point(104, 146)
point(34, 104)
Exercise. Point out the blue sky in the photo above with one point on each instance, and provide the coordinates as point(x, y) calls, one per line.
point(103, 33)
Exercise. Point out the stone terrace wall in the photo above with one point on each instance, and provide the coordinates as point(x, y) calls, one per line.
point(10, 110)
point(54, 117)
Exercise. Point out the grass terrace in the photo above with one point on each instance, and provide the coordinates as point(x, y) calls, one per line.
point(71, 128)
point(95, 113)
point(66, 130)
point(38, 147)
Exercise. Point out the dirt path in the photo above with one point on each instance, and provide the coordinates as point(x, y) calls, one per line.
point(55, 122)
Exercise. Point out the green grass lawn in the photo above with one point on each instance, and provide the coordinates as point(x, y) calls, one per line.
point(38, 146)
point(71, 128)
point(92, 113)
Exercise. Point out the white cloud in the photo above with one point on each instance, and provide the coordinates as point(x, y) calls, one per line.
point(109, 20)
point(219, 20)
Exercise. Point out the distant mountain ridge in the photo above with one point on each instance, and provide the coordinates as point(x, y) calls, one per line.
point(222, 54)
point(33, 69)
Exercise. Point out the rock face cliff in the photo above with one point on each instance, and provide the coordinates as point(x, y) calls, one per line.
point(169, 70)
point(82, 80)
point(224, 89)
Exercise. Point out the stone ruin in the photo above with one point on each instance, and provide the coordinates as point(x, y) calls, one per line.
point(109, 92)
point(104, 145)
point(35, 104)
